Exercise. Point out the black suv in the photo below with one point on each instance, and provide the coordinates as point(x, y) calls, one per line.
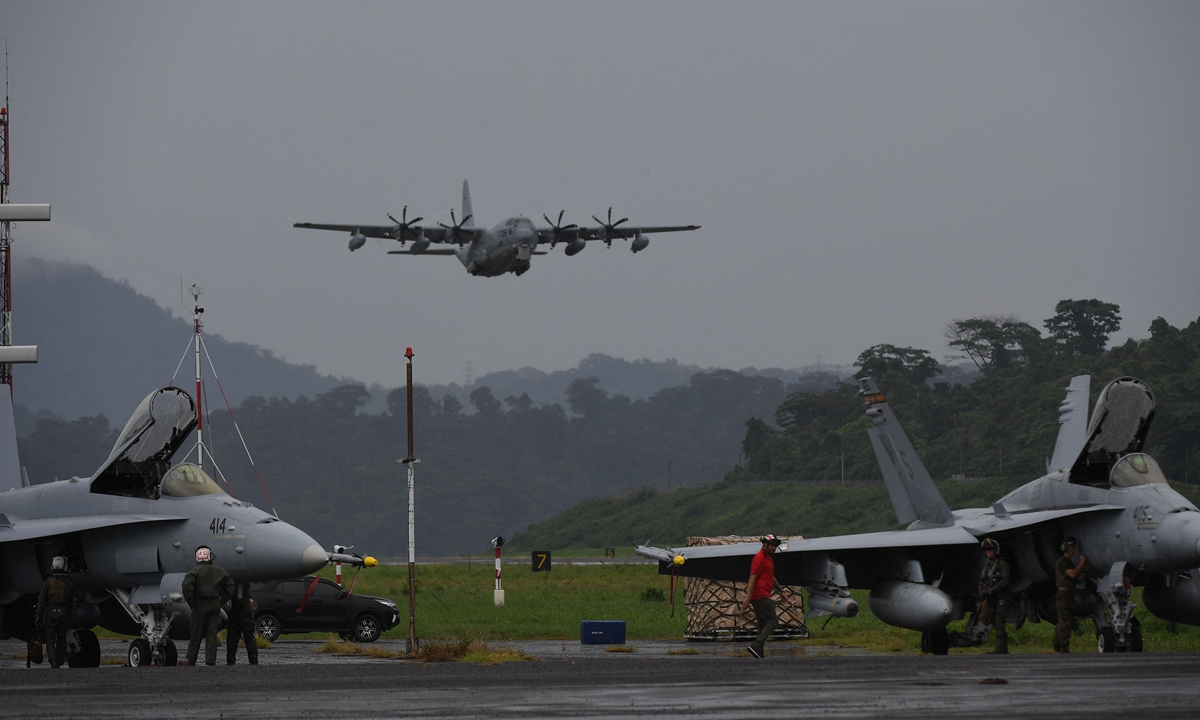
point(329, 609)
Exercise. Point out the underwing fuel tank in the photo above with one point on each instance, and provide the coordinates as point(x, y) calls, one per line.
point(910, 605)
point(1178, 603)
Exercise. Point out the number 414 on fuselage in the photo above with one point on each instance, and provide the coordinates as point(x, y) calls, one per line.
point(503, 248)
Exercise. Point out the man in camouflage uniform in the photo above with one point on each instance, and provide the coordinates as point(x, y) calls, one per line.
point(205, 587)
point(53, 612)
point(1065, 574)
point(241, 626)
point(994, 589)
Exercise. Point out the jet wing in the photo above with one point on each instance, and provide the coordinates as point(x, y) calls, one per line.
point(1001, 521)
point(804, 562)
point(17, 530)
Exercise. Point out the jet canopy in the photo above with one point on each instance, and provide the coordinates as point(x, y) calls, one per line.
point(143, 452)
point(189, 480)
point(1136, 469)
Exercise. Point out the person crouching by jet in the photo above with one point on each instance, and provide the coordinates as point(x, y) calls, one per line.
point(758, 593)
point(53, 612)
point(994, 593)
point(1066, 572)
point(205, 587)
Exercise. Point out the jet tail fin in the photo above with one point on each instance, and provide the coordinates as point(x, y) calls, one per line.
point(1072, 424)
point(468, 213)
point(913, 493)
point(10, 464)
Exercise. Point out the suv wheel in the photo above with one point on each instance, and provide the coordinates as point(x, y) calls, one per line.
point(268, 627)
point(366, 628)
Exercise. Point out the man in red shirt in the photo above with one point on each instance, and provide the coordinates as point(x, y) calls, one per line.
point(758, 594)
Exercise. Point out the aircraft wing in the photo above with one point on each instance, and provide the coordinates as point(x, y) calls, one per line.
point(17, 530)
point(632, 231)
point(433, 233)
point(805, 562)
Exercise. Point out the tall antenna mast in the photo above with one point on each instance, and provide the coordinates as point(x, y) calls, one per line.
point(5, 237)
point(197, 311)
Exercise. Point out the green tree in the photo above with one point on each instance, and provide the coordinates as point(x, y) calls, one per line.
point(912, 364)
point(1081, 327)
point(757, 433)
point(993, 341)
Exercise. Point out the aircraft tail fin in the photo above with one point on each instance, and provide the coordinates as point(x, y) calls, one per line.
point(1072, 424)
point(10, 463)
point(468, 213)
point(913, 493)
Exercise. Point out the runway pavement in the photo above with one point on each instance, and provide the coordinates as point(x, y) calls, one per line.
point(578, 681)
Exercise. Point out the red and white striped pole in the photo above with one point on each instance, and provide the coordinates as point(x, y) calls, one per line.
point(337, 567)
point(498, 595)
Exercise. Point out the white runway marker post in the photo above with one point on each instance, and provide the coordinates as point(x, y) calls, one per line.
point(498, 595)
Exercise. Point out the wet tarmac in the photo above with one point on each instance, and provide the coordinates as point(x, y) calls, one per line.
point(586, 681)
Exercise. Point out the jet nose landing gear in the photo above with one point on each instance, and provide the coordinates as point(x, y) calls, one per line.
point(142, 653)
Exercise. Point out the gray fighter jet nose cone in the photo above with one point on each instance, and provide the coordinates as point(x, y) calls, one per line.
point(314, 558)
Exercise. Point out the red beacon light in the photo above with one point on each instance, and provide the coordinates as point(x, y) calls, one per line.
point(408, 353)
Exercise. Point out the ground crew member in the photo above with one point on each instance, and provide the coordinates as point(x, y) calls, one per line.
point(205, 587)
point(994, 590)
point(758, 593)
point(240, 627)
point(53, 612)
point(1065, 574)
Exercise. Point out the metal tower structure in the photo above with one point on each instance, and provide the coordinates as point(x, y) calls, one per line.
point(5, 242)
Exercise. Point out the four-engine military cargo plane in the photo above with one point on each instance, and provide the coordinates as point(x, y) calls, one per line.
point(130, 534)
point(503, 248)
point(1100, 488)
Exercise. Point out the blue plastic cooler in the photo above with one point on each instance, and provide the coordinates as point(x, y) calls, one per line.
point(602, 632)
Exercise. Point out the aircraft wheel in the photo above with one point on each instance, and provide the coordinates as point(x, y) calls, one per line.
point(139, 653)
point(170, 654)
point(1106, 640)
point(1135, 635)
point(366, 628)
point(268, 627)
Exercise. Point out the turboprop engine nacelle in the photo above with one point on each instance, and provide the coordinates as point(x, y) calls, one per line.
point(575, 246)
point(1177, 603)
point(910, 605)
point(835, 606)
point(420, 246)
point(357, 240)
point(639, 243)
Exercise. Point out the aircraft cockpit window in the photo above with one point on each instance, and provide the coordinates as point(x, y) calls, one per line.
point(524, 222)
point(1136, 469)
point(188, 480)
point(512, 222)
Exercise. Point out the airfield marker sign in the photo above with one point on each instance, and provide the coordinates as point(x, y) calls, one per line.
point(541, 561)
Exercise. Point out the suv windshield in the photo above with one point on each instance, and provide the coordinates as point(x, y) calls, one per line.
point(188, 480)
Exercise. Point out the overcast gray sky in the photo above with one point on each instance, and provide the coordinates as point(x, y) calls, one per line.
point(864, 172)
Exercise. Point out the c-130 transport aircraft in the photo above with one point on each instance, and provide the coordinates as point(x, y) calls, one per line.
point(503, 248)
point(1099, 488)
point(130, 533)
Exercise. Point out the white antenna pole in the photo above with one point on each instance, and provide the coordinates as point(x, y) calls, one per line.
point(196, 312)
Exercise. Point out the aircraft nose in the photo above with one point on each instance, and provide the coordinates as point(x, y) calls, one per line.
point(1178, 537)
point(279, 551)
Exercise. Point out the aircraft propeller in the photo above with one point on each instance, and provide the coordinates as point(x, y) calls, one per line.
point(455, 228)
point(610, 228)
point(559, 230)
point(404, 225)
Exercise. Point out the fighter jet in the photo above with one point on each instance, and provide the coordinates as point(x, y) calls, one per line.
point(503, 248)
point(130, 533)
point(1099, 488)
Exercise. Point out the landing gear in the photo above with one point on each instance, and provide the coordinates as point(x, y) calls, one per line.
point(1117, 630)
point(935, 642)
point(83, 650)
point(153, 647)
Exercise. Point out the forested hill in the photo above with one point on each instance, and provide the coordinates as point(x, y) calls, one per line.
point(102, 347)
point(1001, 426)
point(332, 470)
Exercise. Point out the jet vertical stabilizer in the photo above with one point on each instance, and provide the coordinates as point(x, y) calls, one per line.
point(10, 463)
point(914, 496)
point(1072, 421)
point(468, 213)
